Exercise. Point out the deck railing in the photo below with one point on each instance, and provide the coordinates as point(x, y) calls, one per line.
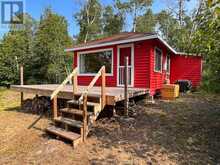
point(53, 97)
point(121, 75)
point(84, 95)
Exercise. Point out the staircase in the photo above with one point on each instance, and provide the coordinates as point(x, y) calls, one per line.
point(76, 119)
point(69, 125)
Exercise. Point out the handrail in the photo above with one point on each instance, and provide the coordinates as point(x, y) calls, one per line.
point(83, 97)
point(92, 83)
point(60, 87)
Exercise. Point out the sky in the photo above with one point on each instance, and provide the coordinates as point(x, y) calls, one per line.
point(67, 8)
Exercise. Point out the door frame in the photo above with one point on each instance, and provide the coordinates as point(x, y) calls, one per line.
point(132, 63)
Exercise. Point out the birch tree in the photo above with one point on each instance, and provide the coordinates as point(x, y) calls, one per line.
point(89, 20)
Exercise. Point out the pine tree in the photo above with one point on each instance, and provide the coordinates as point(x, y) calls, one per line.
point(112, 22)
point(50, 40)
point(147, 22)
point(16, 49)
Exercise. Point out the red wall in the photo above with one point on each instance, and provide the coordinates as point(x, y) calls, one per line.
point(186, 67)
point(141, 64)
point(156, 78)
point(110, 80)
point(182, 67)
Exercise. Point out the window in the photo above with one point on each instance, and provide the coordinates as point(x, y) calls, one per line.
point(168, 63)
point(91, 62)
point(158, 60)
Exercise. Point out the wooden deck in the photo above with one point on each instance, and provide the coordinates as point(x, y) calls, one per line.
point(113, 94)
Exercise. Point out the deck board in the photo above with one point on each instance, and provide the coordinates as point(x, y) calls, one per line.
point(113, 94)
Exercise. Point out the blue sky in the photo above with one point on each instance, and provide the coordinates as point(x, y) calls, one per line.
point(68, 7)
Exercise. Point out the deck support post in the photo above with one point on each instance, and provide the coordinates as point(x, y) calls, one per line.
point(22, 82)
point(103, 96)
point(54, 107)
point(126, 99)
point(85, 117)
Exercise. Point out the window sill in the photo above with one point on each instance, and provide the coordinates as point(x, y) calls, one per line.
point(155, 71)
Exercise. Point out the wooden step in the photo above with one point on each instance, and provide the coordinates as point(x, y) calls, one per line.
point(71, 122)
point(95, 106)
point(74, 137)
point(90, 97)
point(74, 111)
point(88, 103)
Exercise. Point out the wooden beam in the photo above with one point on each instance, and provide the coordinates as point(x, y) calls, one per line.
point(75, 85)
point(60, 87)
point(103, 92)
point(54, 107)
point(126, 99)
point(22, 83)
point(84, 116)
point(92, 83)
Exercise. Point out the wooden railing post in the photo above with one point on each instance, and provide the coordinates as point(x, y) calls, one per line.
point(84, 116)
point(54, 107)
point(22, 82)
point(75, 84)
point(126, 86)
point(103, 92)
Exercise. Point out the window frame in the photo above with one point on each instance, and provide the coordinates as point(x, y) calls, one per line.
point(161, 63)
point(94, 51)
point(168, 55)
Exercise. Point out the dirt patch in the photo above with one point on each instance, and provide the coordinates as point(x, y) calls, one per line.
point(185, 131)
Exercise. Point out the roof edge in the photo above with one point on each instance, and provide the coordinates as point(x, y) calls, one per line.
point(112, 43)
point(155, 36)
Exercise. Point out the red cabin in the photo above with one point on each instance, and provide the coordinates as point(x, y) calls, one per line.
point(152, 61)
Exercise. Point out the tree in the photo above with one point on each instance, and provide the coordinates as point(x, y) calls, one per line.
point(178, 10)
point(206, 41)
point(135, 7)
point(112, 22)
point(147, 22)
point(16, 49)
point(89, 20)
point(50, 40)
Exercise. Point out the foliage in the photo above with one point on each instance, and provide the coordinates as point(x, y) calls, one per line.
point(207, 42)
point(146, 22)
point(16, 49)
point(50, 40)
point(89, 20)
point(112, 22)
point(135, 8)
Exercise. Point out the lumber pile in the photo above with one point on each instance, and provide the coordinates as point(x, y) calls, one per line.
point(37, 105)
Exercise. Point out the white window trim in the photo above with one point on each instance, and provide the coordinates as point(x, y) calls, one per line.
point(168, 71)
point(95, 51)
point(161, 68)
point(132, 63)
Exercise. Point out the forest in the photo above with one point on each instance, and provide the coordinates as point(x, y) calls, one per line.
point(39, 45)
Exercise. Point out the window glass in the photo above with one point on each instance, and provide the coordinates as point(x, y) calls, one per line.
point(168, 63)
point(158, 60)
point(92, 62)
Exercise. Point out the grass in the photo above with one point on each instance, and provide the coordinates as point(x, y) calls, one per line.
point(8, 99)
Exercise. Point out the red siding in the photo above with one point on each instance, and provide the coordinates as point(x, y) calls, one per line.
point(186, 67)
point(141, 64)
point(157, 79)
point(182, 67)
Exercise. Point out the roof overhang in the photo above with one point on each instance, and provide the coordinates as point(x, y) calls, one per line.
point(129, 41)
point(121, 42)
